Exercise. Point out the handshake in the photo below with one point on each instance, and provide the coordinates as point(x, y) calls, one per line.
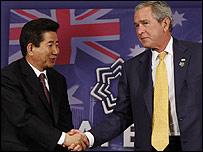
point(75, 140)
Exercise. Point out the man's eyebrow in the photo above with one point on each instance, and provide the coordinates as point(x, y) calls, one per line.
point(141, 21)
point(144, 20)
point(52, 42)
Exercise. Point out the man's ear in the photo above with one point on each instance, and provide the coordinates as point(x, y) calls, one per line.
point(166, 24)
point(30, 47)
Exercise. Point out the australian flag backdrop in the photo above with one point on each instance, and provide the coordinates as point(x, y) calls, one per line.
point(93, 45)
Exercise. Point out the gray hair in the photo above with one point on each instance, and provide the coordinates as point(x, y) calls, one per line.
point(160, 10)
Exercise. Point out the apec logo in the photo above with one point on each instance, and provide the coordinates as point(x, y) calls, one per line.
point(101, 90)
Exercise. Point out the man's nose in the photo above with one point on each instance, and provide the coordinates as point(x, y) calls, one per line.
point(140, 30)
point(56, 50)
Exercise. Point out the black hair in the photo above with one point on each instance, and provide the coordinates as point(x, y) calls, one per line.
point(32, 32)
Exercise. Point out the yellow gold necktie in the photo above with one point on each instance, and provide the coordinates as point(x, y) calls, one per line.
point(160, 120)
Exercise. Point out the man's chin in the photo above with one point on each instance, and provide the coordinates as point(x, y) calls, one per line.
point(146, 45)
point(51, 65)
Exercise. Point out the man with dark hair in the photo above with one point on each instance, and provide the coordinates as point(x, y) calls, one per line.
point(35, 111)
point(160, 90)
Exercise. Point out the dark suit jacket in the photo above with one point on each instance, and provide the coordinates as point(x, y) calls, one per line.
point(28, 122)
point(135, 99)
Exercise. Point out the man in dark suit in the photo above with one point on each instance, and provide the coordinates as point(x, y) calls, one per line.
point(35, 114)
point(136, 98)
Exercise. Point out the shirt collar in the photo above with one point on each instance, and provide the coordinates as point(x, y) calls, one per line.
point(37, 72)
point(169, 49)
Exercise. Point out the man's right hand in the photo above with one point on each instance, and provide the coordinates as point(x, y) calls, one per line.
point(76, 140)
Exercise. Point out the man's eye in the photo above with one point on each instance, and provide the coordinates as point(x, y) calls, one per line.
point(49, 45)
point(136, 25)
point(145, 22)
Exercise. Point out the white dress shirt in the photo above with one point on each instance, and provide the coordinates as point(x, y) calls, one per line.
point(37, 72)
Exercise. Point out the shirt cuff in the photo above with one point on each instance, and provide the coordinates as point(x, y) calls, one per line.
point(90, 138)
point(62, 138)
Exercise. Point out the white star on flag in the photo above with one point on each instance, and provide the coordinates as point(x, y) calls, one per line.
point(135, 51)
point(73, 100)
point(178, 19)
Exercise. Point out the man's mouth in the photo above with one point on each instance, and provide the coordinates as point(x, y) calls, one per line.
point(52, 59)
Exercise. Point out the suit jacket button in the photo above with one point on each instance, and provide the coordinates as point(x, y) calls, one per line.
point(181, 119)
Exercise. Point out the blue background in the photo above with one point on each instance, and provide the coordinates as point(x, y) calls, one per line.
point(85, 65)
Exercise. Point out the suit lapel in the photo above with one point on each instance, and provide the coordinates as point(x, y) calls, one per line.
point(180, 55)
point(53, 94)
point(34, 83)
point(145, 75)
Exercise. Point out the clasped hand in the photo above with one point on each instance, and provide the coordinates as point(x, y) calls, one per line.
point(75, 140)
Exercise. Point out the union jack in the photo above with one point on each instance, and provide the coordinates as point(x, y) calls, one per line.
point(76, 31)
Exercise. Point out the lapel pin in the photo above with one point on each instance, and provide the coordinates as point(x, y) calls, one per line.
point(183, 60)
point(181, 64)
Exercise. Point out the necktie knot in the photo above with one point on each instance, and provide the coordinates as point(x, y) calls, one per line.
point(162, 55)
point(42, 76)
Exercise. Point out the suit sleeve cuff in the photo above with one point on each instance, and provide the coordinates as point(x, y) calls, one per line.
point(62, 138)
point(90, 138)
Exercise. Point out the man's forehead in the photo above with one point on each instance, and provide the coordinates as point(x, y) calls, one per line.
point(143, 14)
